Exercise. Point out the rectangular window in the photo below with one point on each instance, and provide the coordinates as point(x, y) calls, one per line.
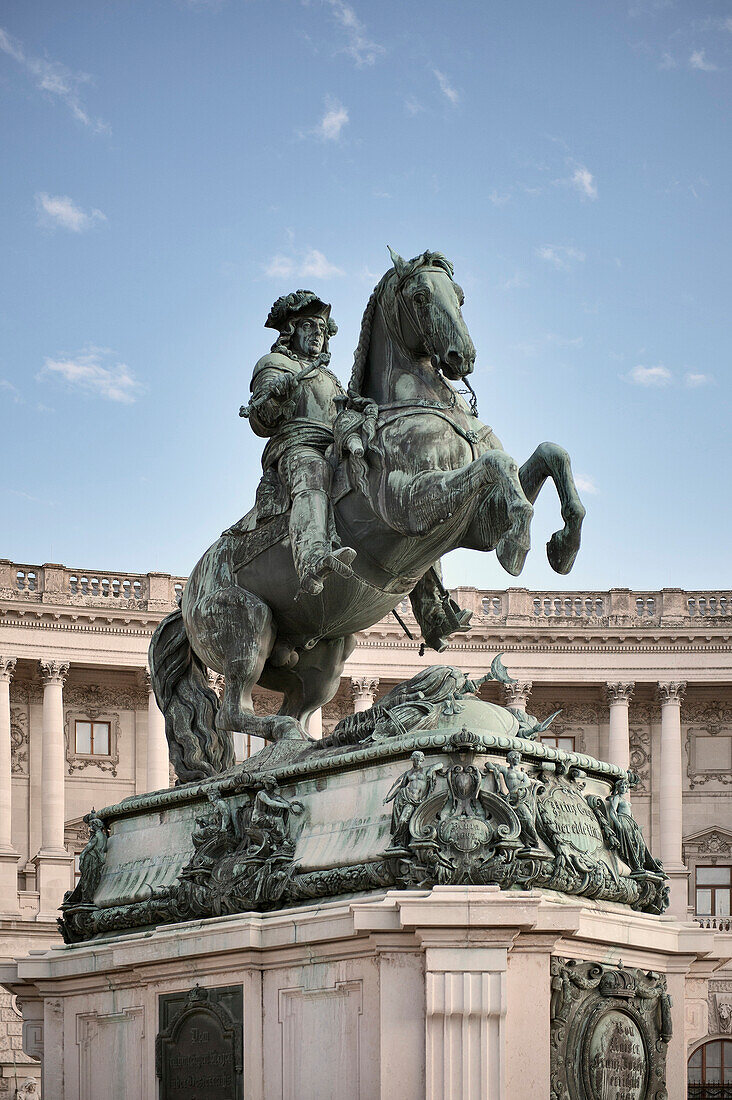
point(556, 741)
point(92, 738)
point(713, 891)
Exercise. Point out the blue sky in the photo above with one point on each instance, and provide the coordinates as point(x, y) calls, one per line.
point(171, 167)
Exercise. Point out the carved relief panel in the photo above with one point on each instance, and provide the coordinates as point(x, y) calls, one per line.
point(610, 1029)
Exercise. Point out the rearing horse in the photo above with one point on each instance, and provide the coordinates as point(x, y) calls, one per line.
point(424, 477)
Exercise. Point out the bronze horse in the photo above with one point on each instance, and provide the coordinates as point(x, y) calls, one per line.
point(418, 475)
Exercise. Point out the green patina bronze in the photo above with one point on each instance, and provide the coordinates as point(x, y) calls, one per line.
point(362, 491)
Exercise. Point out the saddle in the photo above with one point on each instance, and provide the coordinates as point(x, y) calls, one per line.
point(268, 522)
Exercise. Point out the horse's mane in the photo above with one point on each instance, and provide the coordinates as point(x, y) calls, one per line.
point(386, 286)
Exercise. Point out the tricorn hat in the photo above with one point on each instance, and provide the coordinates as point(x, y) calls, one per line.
point(299, 303)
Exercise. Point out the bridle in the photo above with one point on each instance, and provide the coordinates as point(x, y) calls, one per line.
point(417, 315)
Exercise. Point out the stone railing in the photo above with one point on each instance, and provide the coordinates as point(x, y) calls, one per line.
point(719, 924)
point(55, 584)
point(616, 607)
point(506, 607)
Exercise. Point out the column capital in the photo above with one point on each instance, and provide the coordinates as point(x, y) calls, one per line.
point(7, 668)
point(671, 693)
point(619, 692)
point(53, 672)
point(517, 692)
point(364, 685)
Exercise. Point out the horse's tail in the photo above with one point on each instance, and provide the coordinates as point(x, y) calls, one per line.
point(179, 679)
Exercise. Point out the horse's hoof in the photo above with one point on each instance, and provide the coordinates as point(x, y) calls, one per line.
point(511, 555)
point(562, 552)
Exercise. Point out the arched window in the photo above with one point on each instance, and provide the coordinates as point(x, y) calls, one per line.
point(710, 1071)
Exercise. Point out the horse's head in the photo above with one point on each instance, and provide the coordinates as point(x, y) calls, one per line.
point(426, 313)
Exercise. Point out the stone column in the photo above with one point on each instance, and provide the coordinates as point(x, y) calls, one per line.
point(315, 723)
point(364, 690)
point(618, 697)
point(670, 797)
point(517, 695)
point(158, 767)
point(53, 862)
point(8, 854)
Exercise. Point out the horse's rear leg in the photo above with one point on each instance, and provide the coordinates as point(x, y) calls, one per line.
point(313, 681)
point(235, 635)
point(549, 460)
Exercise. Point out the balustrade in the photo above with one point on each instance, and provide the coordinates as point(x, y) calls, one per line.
point(704, 604)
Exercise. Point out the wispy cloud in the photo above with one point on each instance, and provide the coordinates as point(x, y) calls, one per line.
point(362, 49)
point(517, 281)
point(451, 94)
point(499, 198)
point(54, 79)
point(563, 257)
point(310, 265)
point(668, 61)
point(335, 117)
point(14, 392)
point(88, 373)
point(586, 485)
point(584, 182)
point(60, 210)
point(650, 376)
point(694, 380)
point(699, 60)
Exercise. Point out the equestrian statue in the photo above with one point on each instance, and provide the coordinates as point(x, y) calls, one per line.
point(362, 492)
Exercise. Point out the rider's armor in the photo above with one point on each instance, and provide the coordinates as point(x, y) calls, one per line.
point(300, 429)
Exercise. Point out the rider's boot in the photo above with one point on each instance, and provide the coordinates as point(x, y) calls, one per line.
point(312, 552)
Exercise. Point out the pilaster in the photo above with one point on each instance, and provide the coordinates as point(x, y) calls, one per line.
point(363, 689)
point(53, 863)
point(158, 768)
point(8, 854)
point(618, 696)
point(517, 695)
point(670, 695)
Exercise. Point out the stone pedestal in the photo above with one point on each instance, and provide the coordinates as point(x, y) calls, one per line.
point(447, 993)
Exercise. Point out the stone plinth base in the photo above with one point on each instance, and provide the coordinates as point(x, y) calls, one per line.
point(448, 993)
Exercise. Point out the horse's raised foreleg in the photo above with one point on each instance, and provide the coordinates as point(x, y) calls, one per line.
point(418, 505)
point(549, 460)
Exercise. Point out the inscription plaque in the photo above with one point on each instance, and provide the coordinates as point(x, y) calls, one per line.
point(616, 1058)
point(610, 1028)
point(198, 1050)
point(567, 816)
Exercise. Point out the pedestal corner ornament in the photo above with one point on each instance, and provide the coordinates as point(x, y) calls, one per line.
point(198, 1048)
point(610, 1030)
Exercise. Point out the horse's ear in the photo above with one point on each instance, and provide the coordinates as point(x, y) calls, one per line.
point(399, 263)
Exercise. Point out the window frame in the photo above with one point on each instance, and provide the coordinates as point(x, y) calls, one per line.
point(92, 722)
point(548, 738)
point(713, 888)
point(80, 761)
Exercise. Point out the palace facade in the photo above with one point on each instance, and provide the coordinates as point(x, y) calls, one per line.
point(642, 679)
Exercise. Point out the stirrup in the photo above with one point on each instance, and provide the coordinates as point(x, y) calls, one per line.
point(338, 561)
point(334, 561)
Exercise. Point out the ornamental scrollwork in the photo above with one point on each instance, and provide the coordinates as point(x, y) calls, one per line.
point(610, 1030)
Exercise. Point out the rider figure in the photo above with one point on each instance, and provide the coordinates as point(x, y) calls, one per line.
point(293, 403)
